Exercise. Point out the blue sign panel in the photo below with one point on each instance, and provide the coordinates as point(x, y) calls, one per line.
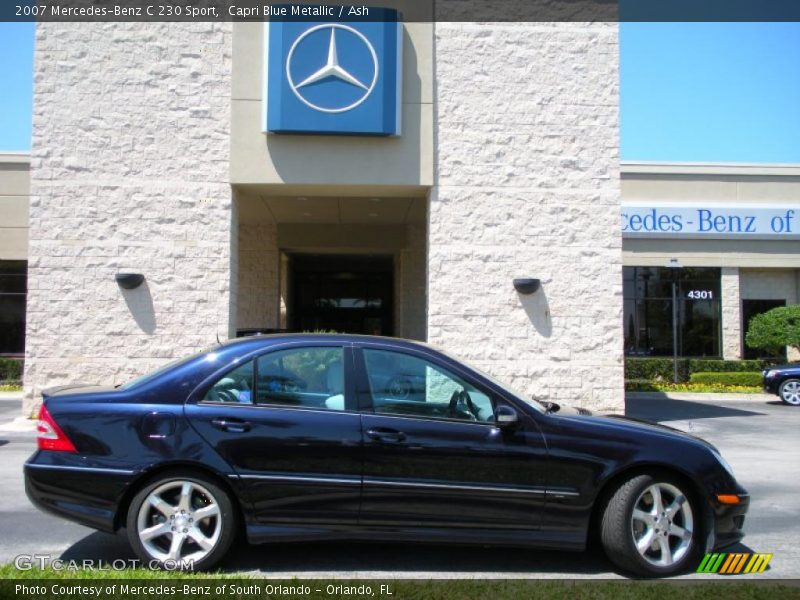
point(664, 220)
point(341, 78)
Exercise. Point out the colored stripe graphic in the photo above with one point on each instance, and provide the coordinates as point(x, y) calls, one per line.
point(734, 563)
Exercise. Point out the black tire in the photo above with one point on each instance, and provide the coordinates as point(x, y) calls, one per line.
point(783, 392)
point(228, 525)
point(617, 529)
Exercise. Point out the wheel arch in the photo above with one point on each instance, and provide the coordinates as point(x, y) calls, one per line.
point(610, 484)
point(153, 473)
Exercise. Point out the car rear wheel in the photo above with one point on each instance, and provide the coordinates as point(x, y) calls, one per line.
point(650, 526)
point(790, 392)
point(181, 521)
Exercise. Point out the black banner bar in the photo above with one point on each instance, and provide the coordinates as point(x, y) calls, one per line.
point(412, 10)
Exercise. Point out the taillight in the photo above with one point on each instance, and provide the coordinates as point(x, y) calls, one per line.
point(50, 435)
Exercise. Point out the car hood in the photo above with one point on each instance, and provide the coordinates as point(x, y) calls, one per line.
point(789, 367)
point(623, 423)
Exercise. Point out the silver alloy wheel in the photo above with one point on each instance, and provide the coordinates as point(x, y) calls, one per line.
point(179, 521)
point(790, 392)
point(662, 524)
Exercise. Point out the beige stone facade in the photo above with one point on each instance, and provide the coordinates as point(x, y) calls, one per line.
point(149, 156)
point(528, 186)
point(129, 172)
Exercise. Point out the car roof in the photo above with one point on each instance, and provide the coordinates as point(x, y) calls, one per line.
point(278, 338)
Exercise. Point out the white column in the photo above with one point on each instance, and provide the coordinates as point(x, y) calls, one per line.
point(731, 314)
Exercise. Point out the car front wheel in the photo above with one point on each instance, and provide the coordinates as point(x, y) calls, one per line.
point(181, 521)
point(790, 392)
point(650, 526)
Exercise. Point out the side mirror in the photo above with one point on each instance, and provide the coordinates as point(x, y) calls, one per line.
point(505, 416)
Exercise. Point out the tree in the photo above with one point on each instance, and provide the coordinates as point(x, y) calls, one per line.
point(775, 328)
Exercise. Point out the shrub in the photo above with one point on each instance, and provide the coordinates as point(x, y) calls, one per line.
point(660, 369)
point(699, 388)
point(731, 378)
point(655, 369)
point(11, 369)
point(775, 328)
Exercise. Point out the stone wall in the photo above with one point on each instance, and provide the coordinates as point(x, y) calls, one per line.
point(527, 184)
point(129, 172)
point(258, 287)
point(731, 314)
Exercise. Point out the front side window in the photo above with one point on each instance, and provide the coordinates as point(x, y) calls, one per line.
point(235, 387)
point(401, 384)
point(304, 377)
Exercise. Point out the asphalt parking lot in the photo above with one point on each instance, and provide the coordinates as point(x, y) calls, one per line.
point(758, 436)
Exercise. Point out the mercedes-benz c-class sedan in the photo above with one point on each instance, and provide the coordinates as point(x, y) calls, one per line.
point(784, 382)
point(310, 437)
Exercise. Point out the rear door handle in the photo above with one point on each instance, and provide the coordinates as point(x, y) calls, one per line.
point(381, 434)
point(232, 425)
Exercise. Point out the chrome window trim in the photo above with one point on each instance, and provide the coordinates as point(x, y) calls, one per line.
point(298, 478)
point(455, 486)
point(409, 484)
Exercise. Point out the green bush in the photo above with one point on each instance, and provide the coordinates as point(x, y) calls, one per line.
point(641, 385)
point(654, 369)
point(775, 328)
point(660, 369)
point(730, 378)
point(11, 369)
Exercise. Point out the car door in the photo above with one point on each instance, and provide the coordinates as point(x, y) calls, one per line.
point(434, 454)
point(285, 421)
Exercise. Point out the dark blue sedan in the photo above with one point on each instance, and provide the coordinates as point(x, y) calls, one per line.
point(784, 382)
point(319, 437)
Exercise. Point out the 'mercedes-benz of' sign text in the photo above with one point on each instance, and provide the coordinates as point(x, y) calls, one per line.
point(710, 221)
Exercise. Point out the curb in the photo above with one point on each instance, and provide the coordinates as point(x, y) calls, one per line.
point(697, 397)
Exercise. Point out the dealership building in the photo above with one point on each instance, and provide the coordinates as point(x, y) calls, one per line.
point(380, 178)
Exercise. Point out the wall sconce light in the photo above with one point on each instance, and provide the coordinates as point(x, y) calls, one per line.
point(527, 285)
point(129, 281)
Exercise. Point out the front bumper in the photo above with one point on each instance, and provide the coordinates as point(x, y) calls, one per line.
point(728, 523)
point(771, 385)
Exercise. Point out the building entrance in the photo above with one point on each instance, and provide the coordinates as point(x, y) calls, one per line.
point(342, 293)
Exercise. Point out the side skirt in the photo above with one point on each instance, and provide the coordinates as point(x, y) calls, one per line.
point(261, 533)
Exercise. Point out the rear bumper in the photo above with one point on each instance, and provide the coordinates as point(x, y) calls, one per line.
point(728, 523)
point(86, 495)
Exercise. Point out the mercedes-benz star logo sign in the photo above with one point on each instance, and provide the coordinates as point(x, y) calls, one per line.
point(331, 70)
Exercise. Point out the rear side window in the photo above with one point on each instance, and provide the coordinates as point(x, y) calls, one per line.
point(310, 377)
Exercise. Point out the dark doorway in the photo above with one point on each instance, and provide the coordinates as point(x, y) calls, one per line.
point(342, 293)
point(751, 308)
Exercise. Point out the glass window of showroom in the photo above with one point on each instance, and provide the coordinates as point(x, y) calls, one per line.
point(648, 311)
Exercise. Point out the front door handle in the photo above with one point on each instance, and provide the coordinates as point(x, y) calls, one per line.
point(382, 434)
point(232, 425)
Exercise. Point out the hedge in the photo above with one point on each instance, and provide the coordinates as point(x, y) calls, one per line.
point(11, 369)
point(661, 368)
point(731, 378)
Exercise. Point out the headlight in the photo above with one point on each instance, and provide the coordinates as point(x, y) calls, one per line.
point(724, 463)
point(771, 373)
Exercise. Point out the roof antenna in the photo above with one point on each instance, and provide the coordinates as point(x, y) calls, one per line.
point(218, 342)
